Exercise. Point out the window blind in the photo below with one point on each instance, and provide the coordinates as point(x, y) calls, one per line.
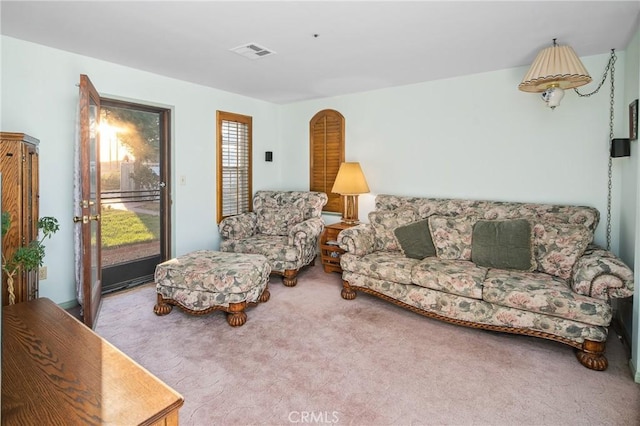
point(327, 153)
point(234, 164)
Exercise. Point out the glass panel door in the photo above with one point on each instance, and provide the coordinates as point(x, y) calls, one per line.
point(90, 200)
point(131, 169)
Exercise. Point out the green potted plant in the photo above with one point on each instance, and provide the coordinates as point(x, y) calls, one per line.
point(27, 258)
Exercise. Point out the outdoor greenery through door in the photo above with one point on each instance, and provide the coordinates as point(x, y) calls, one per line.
point(133, 153)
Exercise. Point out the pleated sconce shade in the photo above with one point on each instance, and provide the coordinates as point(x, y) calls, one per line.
point(555, 66)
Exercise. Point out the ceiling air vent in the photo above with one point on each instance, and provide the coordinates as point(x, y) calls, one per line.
point(252, 51)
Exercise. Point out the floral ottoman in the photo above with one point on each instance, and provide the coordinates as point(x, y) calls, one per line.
point(204, 281)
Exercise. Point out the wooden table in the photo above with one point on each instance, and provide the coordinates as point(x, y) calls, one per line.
point(329, 251)
point(57, 371)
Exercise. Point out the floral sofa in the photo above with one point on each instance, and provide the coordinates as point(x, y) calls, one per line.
point(519, 268)
point(284, 226)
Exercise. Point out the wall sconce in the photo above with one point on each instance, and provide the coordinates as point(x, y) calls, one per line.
point(350, 182)
point(555, 68)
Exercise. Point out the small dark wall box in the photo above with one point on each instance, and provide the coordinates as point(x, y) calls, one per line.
point(620, 147)
point(268, 156)
point(633, 120)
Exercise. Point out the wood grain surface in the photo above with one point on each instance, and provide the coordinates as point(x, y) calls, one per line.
point(57, 371)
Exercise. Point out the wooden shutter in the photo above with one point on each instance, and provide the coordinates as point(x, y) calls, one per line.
point(327, 153)
point(234, 164)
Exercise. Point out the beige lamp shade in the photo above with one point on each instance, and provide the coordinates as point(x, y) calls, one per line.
point(349, 183)
point(555, 66)
point(350, 180)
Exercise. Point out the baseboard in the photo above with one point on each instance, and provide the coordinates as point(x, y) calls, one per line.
point(68, 305)
point(635, 372)
point(625, 339)
point(622, 333)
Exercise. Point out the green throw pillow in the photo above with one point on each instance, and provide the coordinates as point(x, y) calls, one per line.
point(503, 244)
point(415, 240)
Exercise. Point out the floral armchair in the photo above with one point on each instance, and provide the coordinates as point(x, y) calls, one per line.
point(284, 226)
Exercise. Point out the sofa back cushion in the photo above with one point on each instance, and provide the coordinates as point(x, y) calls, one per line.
point(310, 203)
point(561, 232)
point(557, 247)
point(385, 222)
point(492, 210)
point(452, 236)
point(415, 240)
point(277, 221)
point(503, 244)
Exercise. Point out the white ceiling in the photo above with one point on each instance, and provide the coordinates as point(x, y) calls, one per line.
point(361, 45)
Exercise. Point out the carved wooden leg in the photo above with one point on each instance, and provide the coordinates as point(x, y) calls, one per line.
point(161, 308)
point(290, 277)
point(235, 314)
point(592, 355)
point(347, 292)
point(265, 295)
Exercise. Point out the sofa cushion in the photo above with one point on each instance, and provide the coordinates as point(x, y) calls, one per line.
point(452, 236)
point(277, 220)
point(543, 293)
point(383, 265)
point(415, 240)
point(503, 244)
point(384, 223)
point(460, 277)
point(310, 202)
point(276, 248)
point(557, 247)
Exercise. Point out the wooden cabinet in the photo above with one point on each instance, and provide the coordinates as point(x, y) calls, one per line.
point(56, 371)
point(329, 250)
point(19, 168)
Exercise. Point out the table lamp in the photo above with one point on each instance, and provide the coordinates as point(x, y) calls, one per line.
point(350, 182)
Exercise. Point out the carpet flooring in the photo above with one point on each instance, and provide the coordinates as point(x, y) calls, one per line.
point(309, 357)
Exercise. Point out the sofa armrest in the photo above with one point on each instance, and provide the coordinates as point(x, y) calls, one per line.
point(306, 233)
point(358, 240)
point(238, 227)
point(304, 236)
point(601, 274)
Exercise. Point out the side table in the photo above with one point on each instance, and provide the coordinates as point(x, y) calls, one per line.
point(330, 252)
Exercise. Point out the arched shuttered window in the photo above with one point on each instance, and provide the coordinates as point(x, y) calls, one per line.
point(326, 134)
